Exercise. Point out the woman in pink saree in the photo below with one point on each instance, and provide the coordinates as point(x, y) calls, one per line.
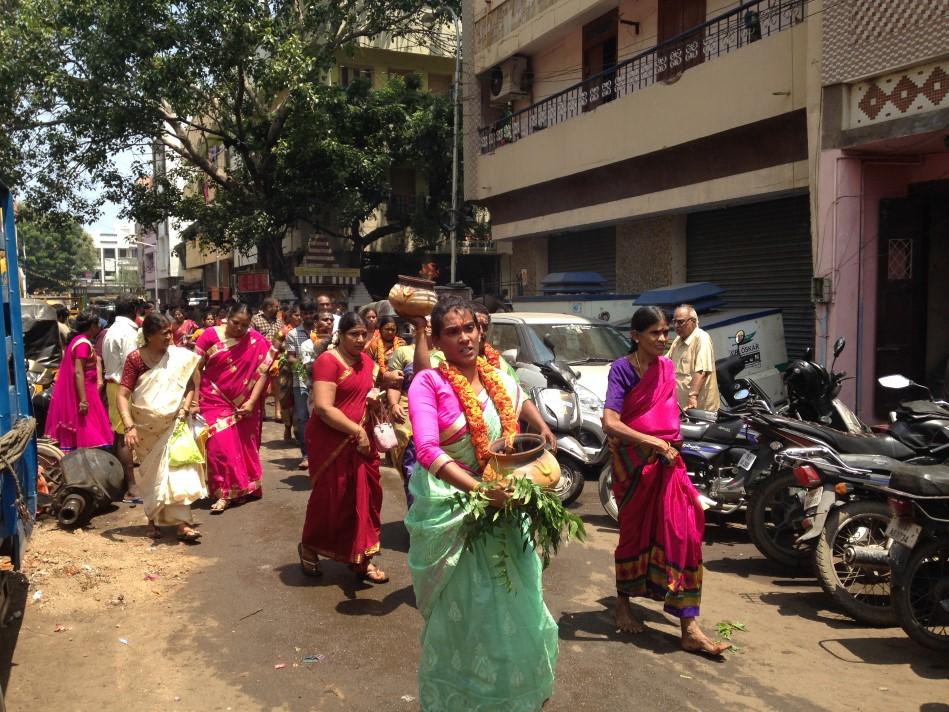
point(236, 361)
point(77, 418)
point(659, 555)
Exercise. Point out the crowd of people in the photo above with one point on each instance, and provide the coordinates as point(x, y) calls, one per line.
point(448, 393)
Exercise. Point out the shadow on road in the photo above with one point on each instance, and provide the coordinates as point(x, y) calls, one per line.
point(394, 536)
point(603, 522)
point(140, 531)
point(297, 483)
point(810, 605)
point(755, 566)
point(404, 596)
point(889, 651)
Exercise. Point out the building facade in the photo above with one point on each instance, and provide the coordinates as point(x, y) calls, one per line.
point(883, 196)
point(654, 141)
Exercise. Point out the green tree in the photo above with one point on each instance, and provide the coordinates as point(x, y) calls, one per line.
point(54, 254)
point(236, 92)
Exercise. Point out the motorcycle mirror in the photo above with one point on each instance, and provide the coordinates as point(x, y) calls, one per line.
point(509, 355)
point(895, 381)
point(809, 354)
point(839, 346)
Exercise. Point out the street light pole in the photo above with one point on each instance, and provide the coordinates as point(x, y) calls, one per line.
point(456, 100)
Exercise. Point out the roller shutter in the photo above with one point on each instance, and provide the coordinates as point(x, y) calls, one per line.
point(584, 251)
point(761, 255)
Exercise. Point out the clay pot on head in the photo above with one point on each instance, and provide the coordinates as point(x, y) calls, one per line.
point(413, 297)
point(527, 456)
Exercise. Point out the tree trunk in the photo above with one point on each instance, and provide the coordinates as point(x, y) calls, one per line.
point(270, 257)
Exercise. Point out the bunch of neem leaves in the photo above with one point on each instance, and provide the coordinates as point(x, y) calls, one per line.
point(548, 522)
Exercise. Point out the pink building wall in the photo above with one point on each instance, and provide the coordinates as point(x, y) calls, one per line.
point(849, 194)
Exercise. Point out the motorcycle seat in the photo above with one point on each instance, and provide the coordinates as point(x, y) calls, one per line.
point(924, 480)
point(693, 431)
point(701, 416)
point(852, 443)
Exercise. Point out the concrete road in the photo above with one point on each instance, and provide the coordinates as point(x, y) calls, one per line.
point(236, 607)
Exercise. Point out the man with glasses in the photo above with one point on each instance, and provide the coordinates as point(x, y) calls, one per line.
point(694, 359)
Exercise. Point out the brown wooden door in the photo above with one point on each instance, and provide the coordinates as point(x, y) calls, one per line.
point(600, 52)
point(901, 295)
point(676, 17)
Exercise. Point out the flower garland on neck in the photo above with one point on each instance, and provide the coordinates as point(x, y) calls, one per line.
point(474, 415)
point(377, 348)
point(491, 355)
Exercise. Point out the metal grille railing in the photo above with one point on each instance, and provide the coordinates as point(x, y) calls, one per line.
point(726, 33)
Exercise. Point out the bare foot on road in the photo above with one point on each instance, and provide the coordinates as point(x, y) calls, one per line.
point(625, 621)
point(694, 640)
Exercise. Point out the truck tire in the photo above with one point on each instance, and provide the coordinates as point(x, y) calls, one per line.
point(774, 519)
point(863, 592)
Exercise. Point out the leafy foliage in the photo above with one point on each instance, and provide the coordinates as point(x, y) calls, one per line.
point(235, 91)
point(54, 253)
point(548, 523)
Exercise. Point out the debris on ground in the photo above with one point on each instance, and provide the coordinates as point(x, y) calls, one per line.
point(726, 628)
point(279, 666)
point(124, 641)
point(407, 698)
point(37, 596)
point(314, 658)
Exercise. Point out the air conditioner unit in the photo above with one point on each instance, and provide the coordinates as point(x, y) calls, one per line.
point(509, 80)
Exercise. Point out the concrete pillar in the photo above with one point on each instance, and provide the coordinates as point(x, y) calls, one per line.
point(529, 253)
point(650, 253)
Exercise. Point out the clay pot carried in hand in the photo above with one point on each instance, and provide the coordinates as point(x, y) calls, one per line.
point(413, 297)
point(526, 456)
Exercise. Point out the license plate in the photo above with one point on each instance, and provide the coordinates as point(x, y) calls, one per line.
point(903, 532)
point(746, 461)
point(812, 498)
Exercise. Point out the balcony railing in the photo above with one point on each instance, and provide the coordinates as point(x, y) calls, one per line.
point(726, 33)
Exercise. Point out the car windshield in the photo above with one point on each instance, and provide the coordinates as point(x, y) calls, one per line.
point(581, 343)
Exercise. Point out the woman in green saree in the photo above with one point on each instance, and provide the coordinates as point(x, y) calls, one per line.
point(485, 646)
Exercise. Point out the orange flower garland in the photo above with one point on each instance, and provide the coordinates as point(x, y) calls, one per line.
point(491, 355)
point(470, 406)
point(377, 348)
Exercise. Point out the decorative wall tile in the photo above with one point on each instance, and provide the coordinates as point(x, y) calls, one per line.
point(868, 37)
point(892, 96)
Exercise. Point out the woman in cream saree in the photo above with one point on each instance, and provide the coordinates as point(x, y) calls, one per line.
point(154, 396)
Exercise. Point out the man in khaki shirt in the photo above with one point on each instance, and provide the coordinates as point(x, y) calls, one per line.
point(694, 359)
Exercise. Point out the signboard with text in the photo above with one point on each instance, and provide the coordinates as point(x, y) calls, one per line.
point(253, 282)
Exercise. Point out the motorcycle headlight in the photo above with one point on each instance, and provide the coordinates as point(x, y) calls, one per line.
point(589, 401)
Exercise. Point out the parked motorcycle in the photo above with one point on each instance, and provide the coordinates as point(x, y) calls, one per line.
point(812, 393)
point(917, 553)
point(776, 508)
point(844, 506)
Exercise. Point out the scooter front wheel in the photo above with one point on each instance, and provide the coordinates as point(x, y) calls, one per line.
point(607, 499)
point(570, 484)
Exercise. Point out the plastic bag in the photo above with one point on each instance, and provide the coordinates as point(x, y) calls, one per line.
point(182, 448)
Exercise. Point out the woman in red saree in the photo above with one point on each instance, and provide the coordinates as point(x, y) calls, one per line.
point(659, 555)
point(182, 328)
point(343, 515)
point(235, 361)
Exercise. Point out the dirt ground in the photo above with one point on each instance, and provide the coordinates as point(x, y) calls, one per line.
point(114, 621)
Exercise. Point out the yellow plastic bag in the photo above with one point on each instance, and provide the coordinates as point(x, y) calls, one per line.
point(182, 448)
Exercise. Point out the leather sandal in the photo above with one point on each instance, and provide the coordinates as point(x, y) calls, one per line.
point(310, 567)
point(370, 573)
point(220, 506)
point(188, 534)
